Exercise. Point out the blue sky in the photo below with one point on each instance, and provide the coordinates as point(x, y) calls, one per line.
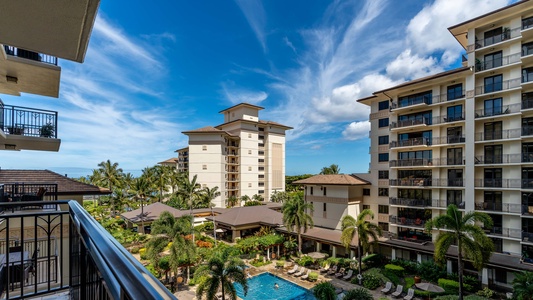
point(153, 71)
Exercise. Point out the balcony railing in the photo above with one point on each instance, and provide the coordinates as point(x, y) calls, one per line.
point(427, 162)
point(499, 183)
point(506, 35)
point(496, 87)
point(491, 64)
point(501, 207)
point(64, 249)
point(527, 130)
point(527, 104)
point(44, 58)
point(420, 141)
point(497, 111)
point(421, 182)
point(499, 159)
point(410, 202)
point(446, 182)
point(15, 192)
point(504, 232)
point(28, 121)
point(406, 221)
point(500, 135)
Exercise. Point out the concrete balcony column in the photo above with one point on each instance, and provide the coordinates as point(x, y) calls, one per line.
point(485, 277)
point(393, 253)
point(333, 251)
point(419, 258)
point(318, 246)
point(449, 267)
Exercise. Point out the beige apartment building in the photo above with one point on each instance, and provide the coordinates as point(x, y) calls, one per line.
point(463, 137)
point(242, 156)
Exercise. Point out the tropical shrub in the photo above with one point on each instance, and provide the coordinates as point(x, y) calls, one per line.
point(371, 281)
point(522, 287)
point(203, 244)
point(485, 292)
point(397, 270)
point(142, 252)
point(260, 262)
point(252, 203)
point(411, 267)
point(358, 294)
point(135, 250)
point(451, 286)
point(472, 283)
point(324, 291)
point(280, 263)
point(374, 260)
point(304, 261)
point(313, 276)
point(152, 270)
point(430, 271)
point(391, 276)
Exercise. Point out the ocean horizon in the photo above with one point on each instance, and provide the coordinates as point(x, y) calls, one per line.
point(77, 172)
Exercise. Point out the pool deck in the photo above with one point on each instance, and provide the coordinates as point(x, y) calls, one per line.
point(189, 293)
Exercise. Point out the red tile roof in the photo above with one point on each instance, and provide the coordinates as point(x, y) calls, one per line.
point(333, 179)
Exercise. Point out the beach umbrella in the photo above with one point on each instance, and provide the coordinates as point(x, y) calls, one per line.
point(429, 287)
point(316, 255)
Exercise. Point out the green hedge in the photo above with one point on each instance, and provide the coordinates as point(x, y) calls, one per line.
point(452, 286)
point(371, 281)
point(397, 270)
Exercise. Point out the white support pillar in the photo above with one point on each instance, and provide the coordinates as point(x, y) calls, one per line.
point(485, 277)
point(278, 252)
point(449, 267)
point(393, 253)
point(352, 253)
point(268, 253)
point(419, 258)
point(334, 251)
point(318, 246)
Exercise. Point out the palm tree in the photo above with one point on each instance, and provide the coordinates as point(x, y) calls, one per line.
point(220, 272)
point(231, 201)
point(364, 229)
point(325, 291)
point(141, 191)
point(471, 240)
point(279, 197)
point(190, 189)
point(258, 197)
point(295, 217)
point(210, 195)
point(333, 169)
point(110, 175)
point(523, 285)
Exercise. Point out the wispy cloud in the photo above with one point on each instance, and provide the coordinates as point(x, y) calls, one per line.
point(239, 95)
point(255, 15)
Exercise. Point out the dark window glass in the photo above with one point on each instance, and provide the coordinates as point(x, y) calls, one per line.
point(455, 197)
point(493, 84)
point(383, 157)
point(455, 177)
point(383, 122)
point(383, 209)
point(493, 130)
point(455, 156)
point(493, 177)
point(324, 191)
point(424, 97)
point(415, 119)
point(384, 226)
point(493, 154)
point(527, 49)
point(383, 174)
point(527, 23)
point(527, 100)
point(383, 192)
point(455, 92)
point(492, 60)
point(366, 206)
point(527, 152)
point(455, 135)
point(366, 192)
point(493, 36)
point(455, 113)
point(325, 207)
point(527, 126)
point(493, 107)
point(311, 191)
point(527, 178)
point(383, 140)
point(384, 105)
point(527, 75)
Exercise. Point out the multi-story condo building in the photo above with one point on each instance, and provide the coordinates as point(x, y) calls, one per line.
point(463, 137)
point(52, 247)
point(242, 156)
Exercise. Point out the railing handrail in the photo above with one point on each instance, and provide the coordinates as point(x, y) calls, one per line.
point(106, 251)
point(30, 55)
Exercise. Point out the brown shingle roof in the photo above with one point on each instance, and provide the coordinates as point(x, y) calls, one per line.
point(242, 104)
point(154, 210)
point(172, 160)
point(333, 179)
point(238, 216)
point(65, 185)
point(330, 236)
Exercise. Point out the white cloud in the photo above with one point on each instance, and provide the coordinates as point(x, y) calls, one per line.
point(356, 130)
point(239, 95)
point(412, 66)
point(255, 15)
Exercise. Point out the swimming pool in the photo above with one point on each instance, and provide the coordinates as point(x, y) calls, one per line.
point(261, 287)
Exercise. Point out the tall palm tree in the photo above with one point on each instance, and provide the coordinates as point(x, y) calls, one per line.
point(141, 191)
point(296, 218)
point(231, 201)
point(210, 195)
point(220, 272)
point(364, 230)
point(471, 240)
point(190, 189)
point(333, 169)
point(523, 285)
point(110, 176)
point(257, 197)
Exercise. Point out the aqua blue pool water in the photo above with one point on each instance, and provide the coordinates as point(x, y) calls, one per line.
point(261, 287)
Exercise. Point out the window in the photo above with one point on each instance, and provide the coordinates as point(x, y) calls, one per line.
point(455, 113)
point(383, 192)
point(383, 157)
point(261, 176)
point(204, 167)
point(261, 152)
point(527, 23)
point(366, 206)
point(527, 49)
point(383, 122)
point(324, 189)
point(527, 152)
point(417, 158)
point(249, 151)
point(204, 148)
point(383, 140)
point(493, 200)
point(455, 156)
point(249, 184)
point(527, 100)
point(415, 138)
point(414, 194)
point(527, 126)
point(249, 168)
point(493, 36)
point(493, 154)
point(493, 130)
point(261, 184)
point(492, 60)
point(261, 160)
point(261, 192)
point(415, 119)
point(249, 135)
point(455, 135)
point(383, 174)
point(424, 97)
point(325, 208)
point(455, 197)
point(455, 177)
point(366, 192)
point(493, 107)
point(493, 177)
point(455, 92)
point(493, 84)
point(261, 168)
point(260, 144)
point(383, 105)
point(383, 209)
point(311, 191)
point(527, 179)
point(527, 75)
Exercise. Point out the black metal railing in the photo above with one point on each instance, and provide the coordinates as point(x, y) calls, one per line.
point(399, 220)
point(421, 182)
point(63, 248)
point(410, 202)
point(44, 58)
point(496, 111)
point(504, 36)
point(500, 134)
point(494, 63)
point(28, 121)
point(499, 86)
point(500, 159)
point(498, 183)
point(498, 206)
point(15, 192)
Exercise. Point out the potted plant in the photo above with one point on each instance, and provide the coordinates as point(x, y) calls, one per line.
point(47, 130)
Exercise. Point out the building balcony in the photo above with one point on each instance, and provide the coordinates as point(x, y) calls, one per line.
point(498, 87)
point(402, 221)
point(444, 182)
point(15, 192)
point(500, 183)
point(504, 232)
point(505, 36)
point(442, 203)
point(429, 162)
point(428, 121)
point(17, 52)
point(418, 182)
point(499, 159)
point(498, 111)
point(491, 64)
point(61, 248)
point(410, 202)
point(527, 236)
point(421, 101)
point(502, 134)
point(410, 142)
point(499, 207)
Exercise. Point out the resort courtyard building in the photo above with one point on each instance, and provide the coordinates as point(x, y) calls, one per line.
point(242, 156)
point(462, 137)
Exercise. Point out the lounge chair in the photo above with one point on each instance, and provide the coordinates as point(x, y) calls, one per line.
point(388, 288)
point(399, 291)
point(332, 270)
point(324, 269)
point(302, 271)
point(349, 275)
point(340, 273)
point(293, 270)
point(410, 295)
point(306, 275)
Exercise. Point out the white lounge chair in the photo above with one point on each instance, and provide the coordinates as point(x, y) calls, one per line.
point(324, 269)
point(306, 275)
point(340, 273)
point(410, 295)
point(349, 275)
point(302, 271)
point(388, 288)
point(399, 291)
point(293, 270)
point(332, 270)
